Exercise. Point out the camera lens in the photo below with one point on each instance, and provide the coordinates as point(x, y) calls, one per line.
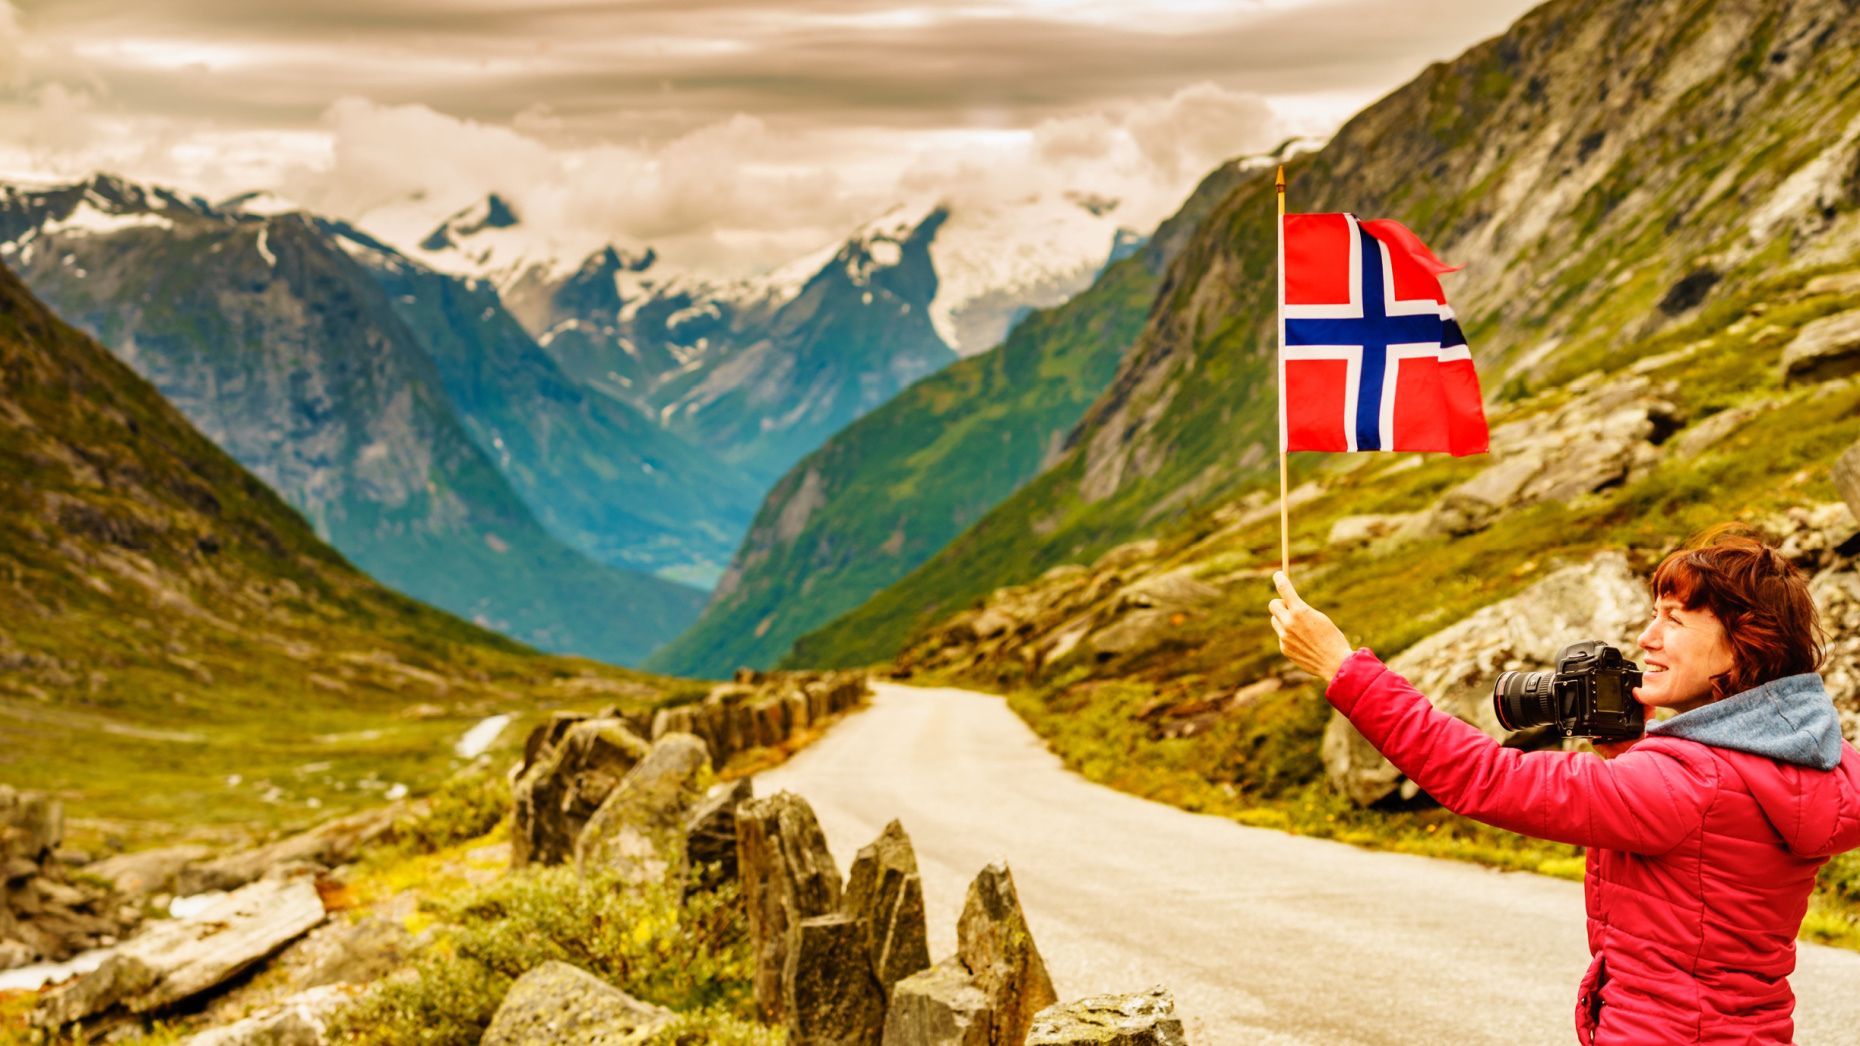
point(1525, 699)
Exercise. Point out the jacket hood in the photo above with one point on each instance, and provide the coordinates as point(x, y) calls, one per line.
point(1790, 720)
point(1811, 794)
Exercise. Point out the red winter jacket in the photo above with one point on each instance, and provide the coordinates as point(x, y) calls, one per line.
point(1701, 857)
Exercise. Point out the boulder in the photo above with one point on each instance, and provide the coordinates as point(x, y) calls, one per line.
point(176, 960)
point(940, 1006)
point(1354, 531)
point(1846, 475)
point(147, 872)
point(565, 784)
point(1836, 592)
point(301, 1020)
point(1144, 1019)
point(996, 947)
point(788, 875)
point(31, 826)
point(1827, 348)
point(639, 831)
point(832, 997)
point(327, 845)
point(710, 830)
point(1457, 666)
point(886, 897)
point(556, 1003)
point(1704, 435)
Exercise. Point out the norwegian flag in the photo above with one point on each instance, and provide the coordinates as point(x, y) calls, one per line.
point(1371, 356)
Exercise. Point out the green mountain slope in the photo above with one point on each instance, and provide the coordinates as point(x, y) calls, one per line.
point(890, 489)
point(1606, 170)
point(175, 642)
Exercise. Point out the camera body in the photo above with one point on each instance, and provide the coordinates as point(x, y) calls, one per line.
point(1591, 694)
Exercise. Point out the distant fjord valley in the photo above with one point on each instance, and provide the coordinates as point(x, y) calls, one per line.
point(566, 450)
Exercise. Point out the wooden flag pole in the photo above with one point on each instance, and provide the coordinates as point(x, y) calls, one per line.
point(1285, 538)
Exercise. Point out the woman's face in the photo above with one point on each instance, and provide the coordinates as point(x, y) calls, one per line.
point(1685, 649)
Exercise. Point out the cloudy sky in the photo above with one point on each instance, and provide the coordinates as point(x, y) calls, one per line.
point(731, 134)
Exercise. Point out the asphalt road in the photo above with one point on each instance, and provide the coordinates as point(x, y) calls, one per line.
point(1262, 937)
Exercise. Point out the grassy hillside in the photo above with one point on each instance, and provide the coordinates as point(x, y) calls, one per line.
point(179, 651)
point(1600, 170)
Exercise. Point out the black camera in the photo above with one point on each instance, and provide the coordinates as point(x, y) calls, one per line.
point(1591, 694)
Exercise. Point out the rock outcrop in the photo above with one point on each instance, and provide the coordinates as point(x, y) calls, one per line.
point(788, 876)
point(557, 1003)
point(989, 991)
point(1456, 667)
point(44, 913)
point(301, 1020)
point(1143, 1019)
point(1847, 479)
point(1826, 348)
point(885, 895)
point(639, 830)
point(572, 764)
point(1594, 441)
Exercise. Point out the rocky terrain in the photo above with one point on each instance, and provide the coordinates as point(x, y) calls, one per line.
point(348, 932)
point(1605, 220)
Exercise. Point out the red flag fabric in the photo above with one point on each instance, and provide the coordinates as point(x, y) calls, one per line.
point(1371, 356)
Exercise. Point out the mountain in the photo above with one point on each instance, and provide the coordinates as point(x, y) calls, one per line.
point(893, 487)
point(178, 644)
point(760, 371)
point(1608, 171)
point(596, 473)
point(287, 352)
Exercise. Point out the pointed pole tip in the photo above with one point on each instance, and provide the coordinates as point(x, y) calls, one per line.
point(1279, 181)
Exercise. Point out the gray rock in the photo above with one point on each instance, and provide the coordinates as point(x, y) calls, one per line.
point(556, 1003)
point(1354, 531)
point(1827, 348)
point(324, 846)
point(173, 961)
point(639, 831)
point(1704, 435)
point(147, 872)
point(941, 1006)
point(301, 1020)
point(995, 945)
point(885, 895)
point(31, 826)
point(14, 954)
point(1456, 667)
point(788, 875)
point(565, 784)
point(710, 830)
point(1144, 1019)
point(832, 997)
point(1847, 479)
point(1599, 438)
point(1836, 592)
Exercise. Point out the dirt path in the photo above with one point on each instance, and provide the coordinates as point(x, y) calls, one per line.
point(1263, 937)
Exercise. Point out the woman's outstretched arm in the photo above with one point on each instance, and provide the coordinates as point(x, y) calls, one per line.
point(1646, 801)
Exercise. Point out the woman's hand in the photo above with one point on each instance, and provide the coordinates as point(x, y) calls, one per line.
point(1306, 635)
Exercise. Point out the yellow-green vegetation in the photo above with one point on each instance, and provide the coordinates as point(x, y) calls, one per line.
point(690, 954)
point(1262, 766)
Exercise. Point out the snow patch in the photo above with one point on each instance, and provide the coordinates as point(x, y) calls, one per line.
point(88, 219)
point(263, 251)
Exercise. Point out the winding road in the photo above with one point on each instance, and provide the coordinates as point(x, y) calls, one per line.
point(1262, 937)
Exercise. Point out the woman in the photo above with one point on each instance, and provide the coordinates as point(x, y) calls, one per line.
point(1704, 835)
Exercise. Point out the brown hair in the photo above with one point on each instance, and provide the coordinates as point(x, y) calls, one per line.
point(1759, 597)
